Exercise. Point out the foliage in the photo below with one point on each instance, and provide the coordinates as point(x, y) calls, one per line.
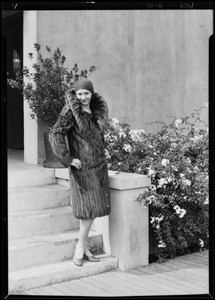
point(176, 159)
point(44, 88)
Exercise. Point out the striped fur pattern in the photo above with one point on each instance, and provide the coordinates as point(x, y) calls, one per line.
point(89, 185)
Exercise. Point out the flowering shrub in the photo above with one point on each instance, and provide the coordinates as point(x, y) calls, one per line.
point(176, 160)
point(44, 89)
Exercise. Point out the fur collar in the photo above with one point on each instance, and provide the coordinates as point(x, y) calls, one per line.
point(91, 131)
point(98, 106)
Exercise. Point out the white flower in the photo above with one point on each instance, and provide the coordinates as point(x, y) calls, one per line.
point(122, 133)
point(182, 175)
point(151, 198)
point(152, 220)
point(119, 163)
point(159, 219)
point(182, 213)
point(137, 134)
point(186, 182)
point(206, 200)
point(188, 160)
point(151, 172)
point(177, 209)
point(164, 162)
point(115, 121)
point(177, 122)
point(196, 168)
point(127, 147)
point(188, 170)
point(110, 138)
point(161, 244)
point(153, 187)
point(169, 179)
point(197, 138)
point(173, 145)
point(162, 182)
point(201, 243)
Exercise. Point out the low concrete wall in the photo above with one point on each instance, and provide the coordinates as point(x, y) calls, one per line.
point(125, 231)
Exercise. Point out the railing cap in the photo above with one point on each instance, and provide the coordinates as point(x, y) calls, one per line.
point(117, 180)
point(127, 181)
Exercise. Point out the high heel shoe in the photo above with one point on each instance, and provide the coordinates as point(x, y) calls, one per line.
point(89, 256)
point(78, 261)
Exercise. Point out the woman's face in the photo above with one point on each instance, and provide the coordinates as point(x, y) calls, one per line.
point(84, 96)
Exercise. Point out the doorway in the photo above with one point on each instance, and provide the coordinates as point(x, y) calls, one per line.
point(13, 61)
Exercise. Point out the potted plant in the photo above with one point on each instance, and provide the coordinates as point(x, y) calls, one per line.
point(45, 87)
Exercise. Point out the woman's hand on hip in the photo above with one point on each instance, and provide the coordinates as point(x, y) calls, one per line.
point(76, 163)
point(107, 153)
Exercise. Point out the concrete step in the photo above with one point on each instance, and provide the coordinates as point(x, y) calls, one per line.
point(34, 176)
point(40, 197)
point(48, 274)
point(39, 249)
point(35, 222)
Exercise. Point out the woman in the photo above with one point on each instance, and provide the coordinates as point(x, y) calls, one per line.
point(82, 120)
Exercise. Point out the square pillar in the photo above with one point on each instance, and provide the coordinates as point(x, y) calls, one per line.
point(33, 130)
point(125, 231)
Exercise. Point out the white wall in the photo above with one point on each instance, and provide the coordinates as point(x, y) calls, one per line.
point(151, 63)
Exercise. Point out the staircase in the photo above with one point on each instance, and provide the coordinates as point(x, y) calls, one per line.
point(42, 233)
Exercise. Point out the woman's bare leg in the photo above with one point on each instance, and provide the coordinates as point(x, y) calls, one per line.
point(85, 226)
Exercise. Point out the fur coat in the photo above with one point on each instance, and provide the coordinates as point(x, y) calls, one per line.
point(89, 186)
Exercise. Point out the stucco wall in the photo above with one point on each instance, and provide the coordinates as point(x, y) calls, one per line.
point(151, 63)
